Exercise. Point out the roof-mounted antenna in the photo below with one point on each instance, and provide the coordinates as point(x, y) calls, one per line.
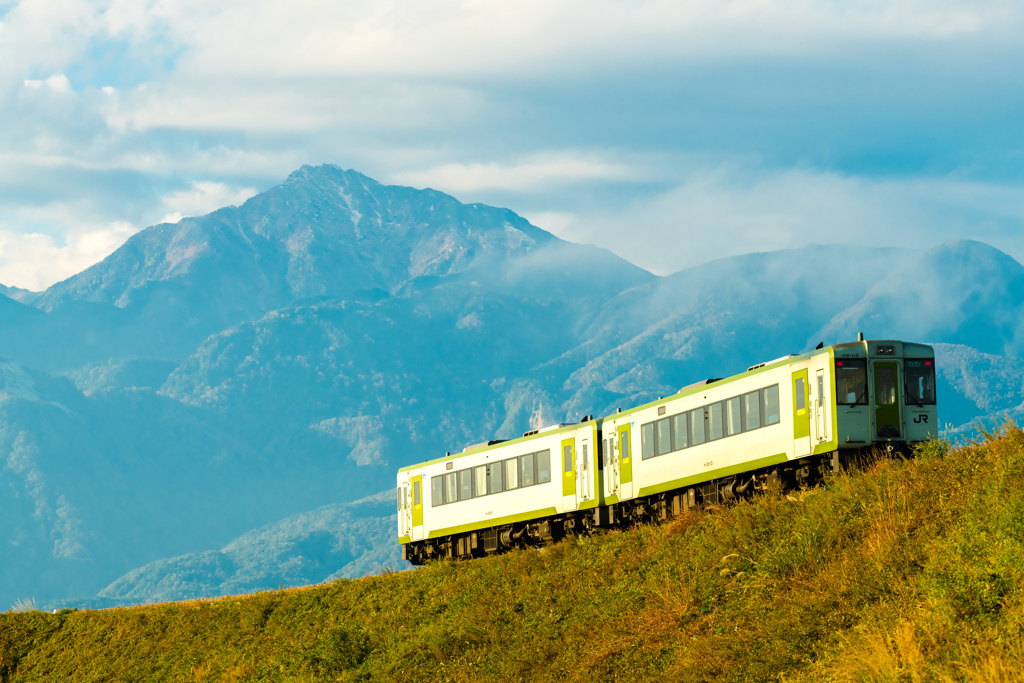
point(820, 344)
point(860, 336)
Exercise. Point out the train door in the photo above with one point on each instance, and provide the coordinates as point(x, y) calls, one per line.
point(625, 462)
point(819, 405)
point(417, 508)
point(569, 474)
point(801, 415)
point(404, 510)
point(887, 400)
point(583, 471)
point(611, 466)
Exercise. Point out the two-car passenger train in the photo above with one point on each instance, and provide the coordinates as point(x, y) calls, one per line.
point(788, 421)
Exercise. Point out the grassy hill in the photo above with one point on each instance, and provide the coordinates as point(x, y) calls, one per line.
point(906, 571)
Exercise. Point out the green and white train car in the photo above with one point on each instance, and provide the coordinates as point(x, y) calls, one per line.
point(788, 421)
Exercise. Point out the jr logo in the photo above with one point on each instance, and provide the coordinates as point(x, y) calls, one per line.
point(921, 418)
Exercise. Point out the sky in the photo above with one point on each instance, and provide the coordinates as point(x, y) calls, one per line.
point(672, 133)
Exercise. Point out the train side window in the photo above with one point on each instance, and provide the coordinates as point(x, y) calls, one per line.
point(437, 490)
point(697, 429)
point(623, 446)
point(821, 389)
point(771, 405)
point(679, 441)
point(465, 484)
point(664, 439)
point(715, 427)
point(511, 474)
point(543, 467)
point(529, 475)
point(801, 394)
point(567, 457)
point(733, 421)
point(416, 499)
point(647, 441)
point(479, 481)
point(497, 481)
point(752, 410)
point(586, 458)
point(451, 487)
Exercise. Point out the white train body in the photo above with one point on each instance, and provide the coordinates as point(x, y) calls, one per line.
point(793, 420)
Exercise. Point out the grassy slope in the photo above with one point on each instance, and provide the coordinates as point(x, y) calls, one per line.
point(907, 571)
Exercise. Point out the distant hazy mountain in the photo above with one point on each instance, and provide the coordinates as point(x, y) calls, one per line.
point(277, 360)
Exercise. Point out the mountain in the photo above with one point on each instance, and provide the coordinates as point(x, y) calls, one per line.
point(324, 232)
point(163, 412)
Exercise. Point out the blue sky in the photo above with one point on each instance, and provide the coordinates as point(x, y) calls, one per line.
point(672, 133)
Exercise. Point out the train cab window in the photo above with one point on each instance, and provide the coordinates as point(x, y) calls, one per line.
point(543, 467)
point(401, 500)
point(715, 427)
point(465, 484)
point(751, 411)
point(679, 440)
point(664, 438)
point(771, 405)
point(605, 457)
point(496, 480)
point(511, 474)
point(697, 433)
point(920, 379)
point(851, 381)
point(733, 416)
point(528, 474)
point(479, 481)
point(647, 441)
point(437, 490)
point(451, 487)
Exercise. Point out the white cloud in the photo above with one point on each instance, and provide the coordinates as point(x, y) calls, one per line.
point(725, 211)
point(202, 198)
point(56, 83)
point(35, 261)
point(539, 171)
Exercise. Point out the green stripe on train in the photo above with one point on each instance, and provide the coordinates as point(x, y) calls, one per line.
point(497, 521)
point(713, 474)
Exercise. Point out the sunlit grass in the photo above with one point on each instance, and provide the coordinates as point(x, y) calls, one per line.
point(904, 571)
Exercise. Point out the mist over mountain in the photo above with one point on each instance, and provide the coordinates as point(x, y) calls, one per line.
point(186, 416)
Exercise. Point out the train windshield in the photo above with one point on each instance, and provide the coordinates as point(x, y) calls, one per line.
point(851, 382)
point(920, 377)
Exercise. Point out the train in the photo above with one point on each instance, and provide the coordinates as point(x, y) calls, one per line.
point(787, 422)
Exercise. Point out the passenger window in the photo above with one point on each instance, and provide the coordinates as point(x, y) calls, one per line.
point(415, 493)
point(494, 473)
point(697, 426)
point(801, 394)
point(479, 481)
point(543, 467)
point(511, 474)
point(528, 473)
point(752, 410)
point(567, 456)
point(716, 430)
point(437, 491)
point(624, 446)
point(465, 484)
point(664, 436)
point(647, 441)
point(451, 487)
point(679, 440)
point(733, 422)
point(771, 405)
